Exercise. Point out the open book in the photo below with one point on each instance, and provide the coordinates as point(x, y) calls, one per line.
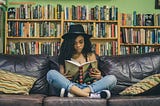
point(73, 68)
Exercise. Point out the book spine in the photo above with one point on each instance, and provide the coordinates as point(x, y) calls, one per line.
point(80, 75)
point(134, 18)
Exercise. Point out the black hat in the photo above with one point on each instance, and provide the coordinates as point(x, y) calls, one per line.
point(75, 30)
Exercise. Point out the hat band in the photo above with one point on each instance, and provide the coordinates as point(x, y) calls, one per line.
point(78, 32)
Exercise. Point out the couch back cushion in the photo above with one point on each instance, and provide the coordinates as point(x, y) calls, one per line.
point(31, 65)
point(130, 69)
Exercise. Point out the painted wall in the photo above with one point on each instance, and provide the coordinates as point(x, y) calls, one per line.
point(127, 6)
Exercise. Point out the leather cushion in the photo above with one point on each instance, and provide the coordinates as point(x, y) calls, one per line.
point(130, 69)
point(31, 65)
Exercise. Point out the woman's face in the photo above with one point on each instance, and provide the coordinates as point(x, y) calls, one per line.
point(79, 44)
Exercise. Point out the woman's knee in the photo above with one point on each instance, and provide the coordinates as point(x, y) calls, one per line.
point(111, 81)
point(51, 74)
point(112, 78)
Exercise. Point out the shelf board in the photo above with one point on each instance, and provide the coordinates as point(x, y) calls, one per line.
point(85, 21)
point(144, 27)
point(34, 20)
point(112, 38)
point(138, 44)
point(33, 38)
point(19, 3)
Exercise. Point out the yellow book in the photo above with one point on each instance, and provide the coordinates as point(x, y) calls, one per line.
point(73, 67)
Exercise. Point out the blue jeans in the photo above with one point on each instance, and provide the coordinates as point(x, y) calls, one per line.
point(58, 81)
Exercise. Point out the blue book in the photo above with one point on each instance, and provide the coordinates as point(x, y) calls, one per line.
point(158, 36)
point(134, 18)
point(101, 13)
point(83, 13)
point(153, 36)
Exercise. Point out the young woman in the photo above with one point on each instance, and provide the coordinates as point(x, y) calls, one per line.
point(76, 45)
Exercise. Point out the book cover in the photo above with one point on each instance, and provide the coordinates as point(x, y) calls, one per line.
point(73, 69)
point(11, 13)
point(149, 19)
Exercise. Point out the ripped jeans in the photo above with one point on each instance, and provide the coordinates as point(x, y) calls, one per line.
point(58, 81)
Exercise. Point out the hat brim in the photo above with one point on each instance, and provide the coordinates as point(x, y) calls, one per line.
point(74, 35)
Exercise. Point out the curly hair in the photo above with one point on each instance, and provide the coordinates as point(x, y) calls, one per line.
point(67, 49)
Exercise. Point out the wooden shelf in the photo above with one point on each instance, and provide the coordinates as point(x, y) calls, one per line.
point(19, 3)
point(29, 39)
point(96, 21)
point(139, 44)
point(33, 37)
point(141, 27)
point(35, 20)
point(96, 38)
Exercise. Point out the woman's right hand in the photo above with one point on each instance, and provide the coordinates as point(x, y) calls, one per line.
point(68, 77)
point(62, 71)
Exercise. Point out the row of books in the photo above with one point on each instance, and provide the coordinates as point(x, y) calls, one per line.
point(138, 49)
point(101, 30)
point(139, 19)
point(23, 48)
point(105, 30)
point(47, 29)
point(94, 13)
point(28, 11)
point(52, 48)
point(88, 27)
point(34, 29)
point(140, 36)
point(107, 48)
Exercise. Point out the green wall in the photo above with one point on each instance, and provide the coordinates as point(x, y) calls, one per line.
point(127, 6)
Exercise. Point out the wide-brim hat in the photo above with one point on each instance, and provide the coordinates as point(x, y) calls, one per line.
point(74, 31)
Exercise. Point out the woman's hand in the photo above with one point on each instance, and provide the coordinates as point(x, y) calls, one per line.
point(95, 73)
point(68, 77)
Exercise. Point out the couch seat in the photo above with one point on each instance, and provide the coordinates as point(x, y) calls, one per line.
point(21, 100)
point(76, 101)
point(134, 101)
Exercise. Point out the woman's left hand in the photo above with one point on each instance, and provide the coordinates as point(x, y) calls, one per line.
point(95, 73)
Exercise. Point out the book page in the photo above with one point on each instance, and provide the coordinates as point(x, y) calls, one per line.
point(74, 62)
point(87, 64)
point(72, 67)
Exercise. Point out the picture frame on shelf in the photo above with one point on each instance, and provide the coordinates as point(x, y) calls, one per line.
point(157, 4)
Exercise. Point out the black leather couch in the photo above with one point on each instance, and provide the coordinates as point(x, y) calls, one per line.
point(128, 69)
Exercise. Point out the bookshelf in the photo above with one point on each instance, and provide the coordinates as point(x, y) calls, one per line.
point(41, 34)
point(141, 35)
point(2, 17)
point(98, 22)
point(32, 30)
point(111, 35)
